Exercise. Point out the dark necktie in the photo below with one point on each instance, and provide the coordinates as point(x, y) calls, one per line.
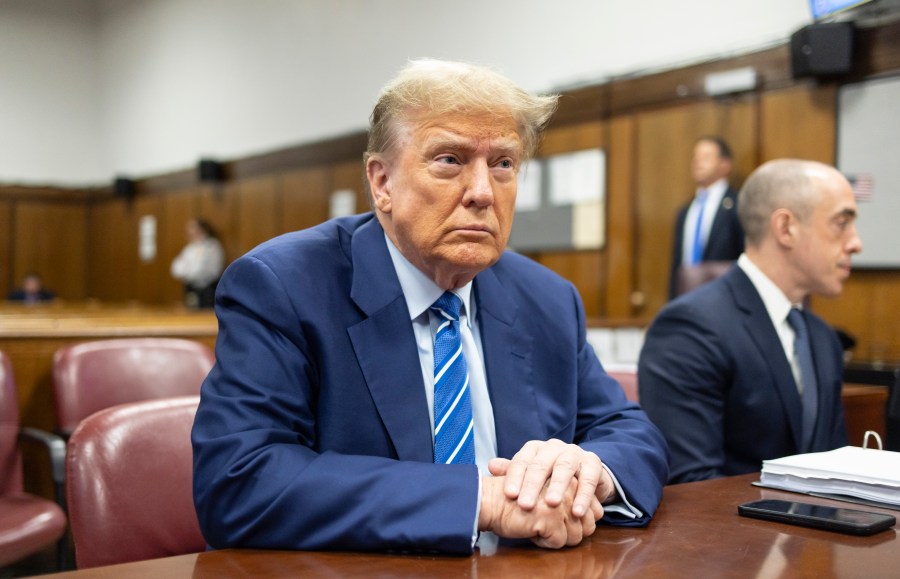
point(454, 436)
point(803, 351)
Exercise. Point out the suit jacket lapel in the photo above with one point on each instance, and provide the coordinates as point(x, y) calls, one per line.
point(726, 206)
point(759, 327)
point(509, 367)
point(385, 346)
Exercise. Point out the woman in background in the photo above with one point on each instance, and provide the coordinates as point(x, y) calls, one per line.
point(199, 264)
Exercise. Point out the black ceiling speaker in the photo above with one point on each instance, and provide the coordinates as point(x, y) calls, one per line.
point(209, 170)
point(124, 187)
point(824, 49)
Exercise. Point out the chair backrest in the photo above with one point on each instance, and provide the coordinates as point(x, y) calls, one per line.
point(628, 379)
point(90, 376)
point(128, 483)
point(690, 277)
point(10, 456)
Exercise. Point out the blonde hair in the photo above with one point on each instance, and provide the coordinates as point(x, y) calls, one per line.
point(436, 87)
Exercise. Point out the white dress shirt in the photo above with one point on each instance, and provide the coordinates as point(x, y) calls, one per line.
point(778, 306)
point(420, 293)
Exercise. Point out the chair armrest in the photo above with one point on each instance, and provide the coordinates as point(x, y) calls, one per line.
point(56, 449)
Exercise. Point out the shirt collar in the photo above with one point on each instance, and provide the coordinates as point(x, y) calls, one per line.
point(418, 289)
point(777, 304)
point(715, 191)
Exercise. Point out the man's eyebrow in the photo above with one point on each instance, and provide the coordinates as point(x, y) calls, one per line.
point(846, 212)
point(450, 142)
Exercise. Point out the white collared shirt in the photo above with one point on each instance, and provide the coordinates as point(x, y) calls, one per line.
point(714, 195)
point(778, 307)
point(420, 293)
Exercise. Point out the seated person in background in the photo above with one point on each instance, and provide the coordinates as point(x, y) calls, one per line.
point(199, 264)
point(32, 291)
point(737, 372)
point(396, 380)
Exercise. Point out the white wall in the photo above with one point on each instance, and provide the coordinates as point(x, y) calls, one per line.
point(157, 84)
point(49, 93)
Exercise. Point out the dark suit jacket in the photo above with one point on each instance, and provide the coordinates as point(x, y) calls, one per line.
point(313, 428)
point(20, 296)
point(714, 377)
point(726, 237)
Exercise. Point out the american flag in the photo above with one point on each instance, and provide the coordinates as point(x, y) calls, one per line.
point(863, 185)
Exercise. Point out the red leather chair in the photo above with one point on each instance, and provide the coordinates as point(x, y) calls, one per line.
point(690, 277)
point(128, 473)
point(28, 523)
point(627, 377)
point(90, 376)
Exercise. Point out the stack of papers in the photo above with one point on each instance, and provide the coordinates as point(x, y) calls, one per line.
point(849, 473)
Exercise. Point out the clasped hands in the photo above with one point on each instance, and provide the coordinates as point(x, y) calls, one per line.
point(550, 492)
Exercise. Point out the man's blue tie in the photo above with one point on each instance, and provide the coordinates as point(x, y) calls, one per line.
point(454, 436)
point(697, 246)
point(803, 352)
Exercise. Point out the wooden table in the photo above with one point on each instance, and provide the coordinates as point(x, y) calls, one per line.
point(696, 533)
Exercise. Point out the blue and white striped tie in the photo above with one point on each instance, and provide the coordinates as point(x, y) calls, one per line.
point(454, 437)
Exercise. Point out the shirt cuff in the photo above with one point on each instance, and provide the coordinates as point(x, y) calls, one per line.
point(622, 506)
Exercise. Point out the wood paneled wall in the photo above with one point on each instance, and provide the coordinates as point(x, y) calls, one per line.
point(7, 281)
point(244, 212)
point(646, 125)
point(50, 240)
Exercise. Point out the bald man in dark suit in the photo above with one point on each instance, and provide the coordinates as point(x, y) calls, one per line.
point(738, 371)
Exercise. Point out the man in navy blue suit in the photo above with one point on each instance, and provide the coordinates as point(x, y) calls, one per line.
point(707, 228)
point(316, 427)
point(722, 370)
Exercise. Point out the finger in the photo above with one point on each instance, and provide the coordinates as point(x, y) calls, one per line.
point(499, 466)
point(539, 471)
point(589, 522)
point(515, 472)
point(555, 536)
point(565, 469)
point(590, 474)
point(596, 509)
point(575, 529)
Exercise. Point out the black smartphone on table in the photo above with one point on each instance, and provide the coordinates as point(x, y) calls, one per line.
point(852, 521)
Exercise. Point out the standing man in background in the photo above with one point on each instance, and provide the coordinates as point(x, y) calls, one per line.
point(738, 371)
point(199, 264)
point(707, 228)
point(397, 380)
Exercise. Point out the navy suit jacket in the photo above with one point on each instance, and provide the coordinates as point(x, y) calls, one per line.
point(313, 429)
point(726, 236)
point(714, 377)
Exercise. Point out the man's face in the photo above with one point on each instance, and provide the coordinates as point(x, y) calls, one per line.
point(193, 231)
point(827, 241)
point(707, 164)
point(446, 195)
point(31, 284)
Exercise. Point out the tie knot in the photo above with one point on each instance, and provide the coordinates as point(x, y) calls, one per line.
point(795, 319)
point(702, 194)
point(448, 306)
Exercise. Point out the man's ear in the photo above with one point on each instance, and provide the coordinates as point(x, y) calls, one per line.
point(783, 224)
point(378, 175)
